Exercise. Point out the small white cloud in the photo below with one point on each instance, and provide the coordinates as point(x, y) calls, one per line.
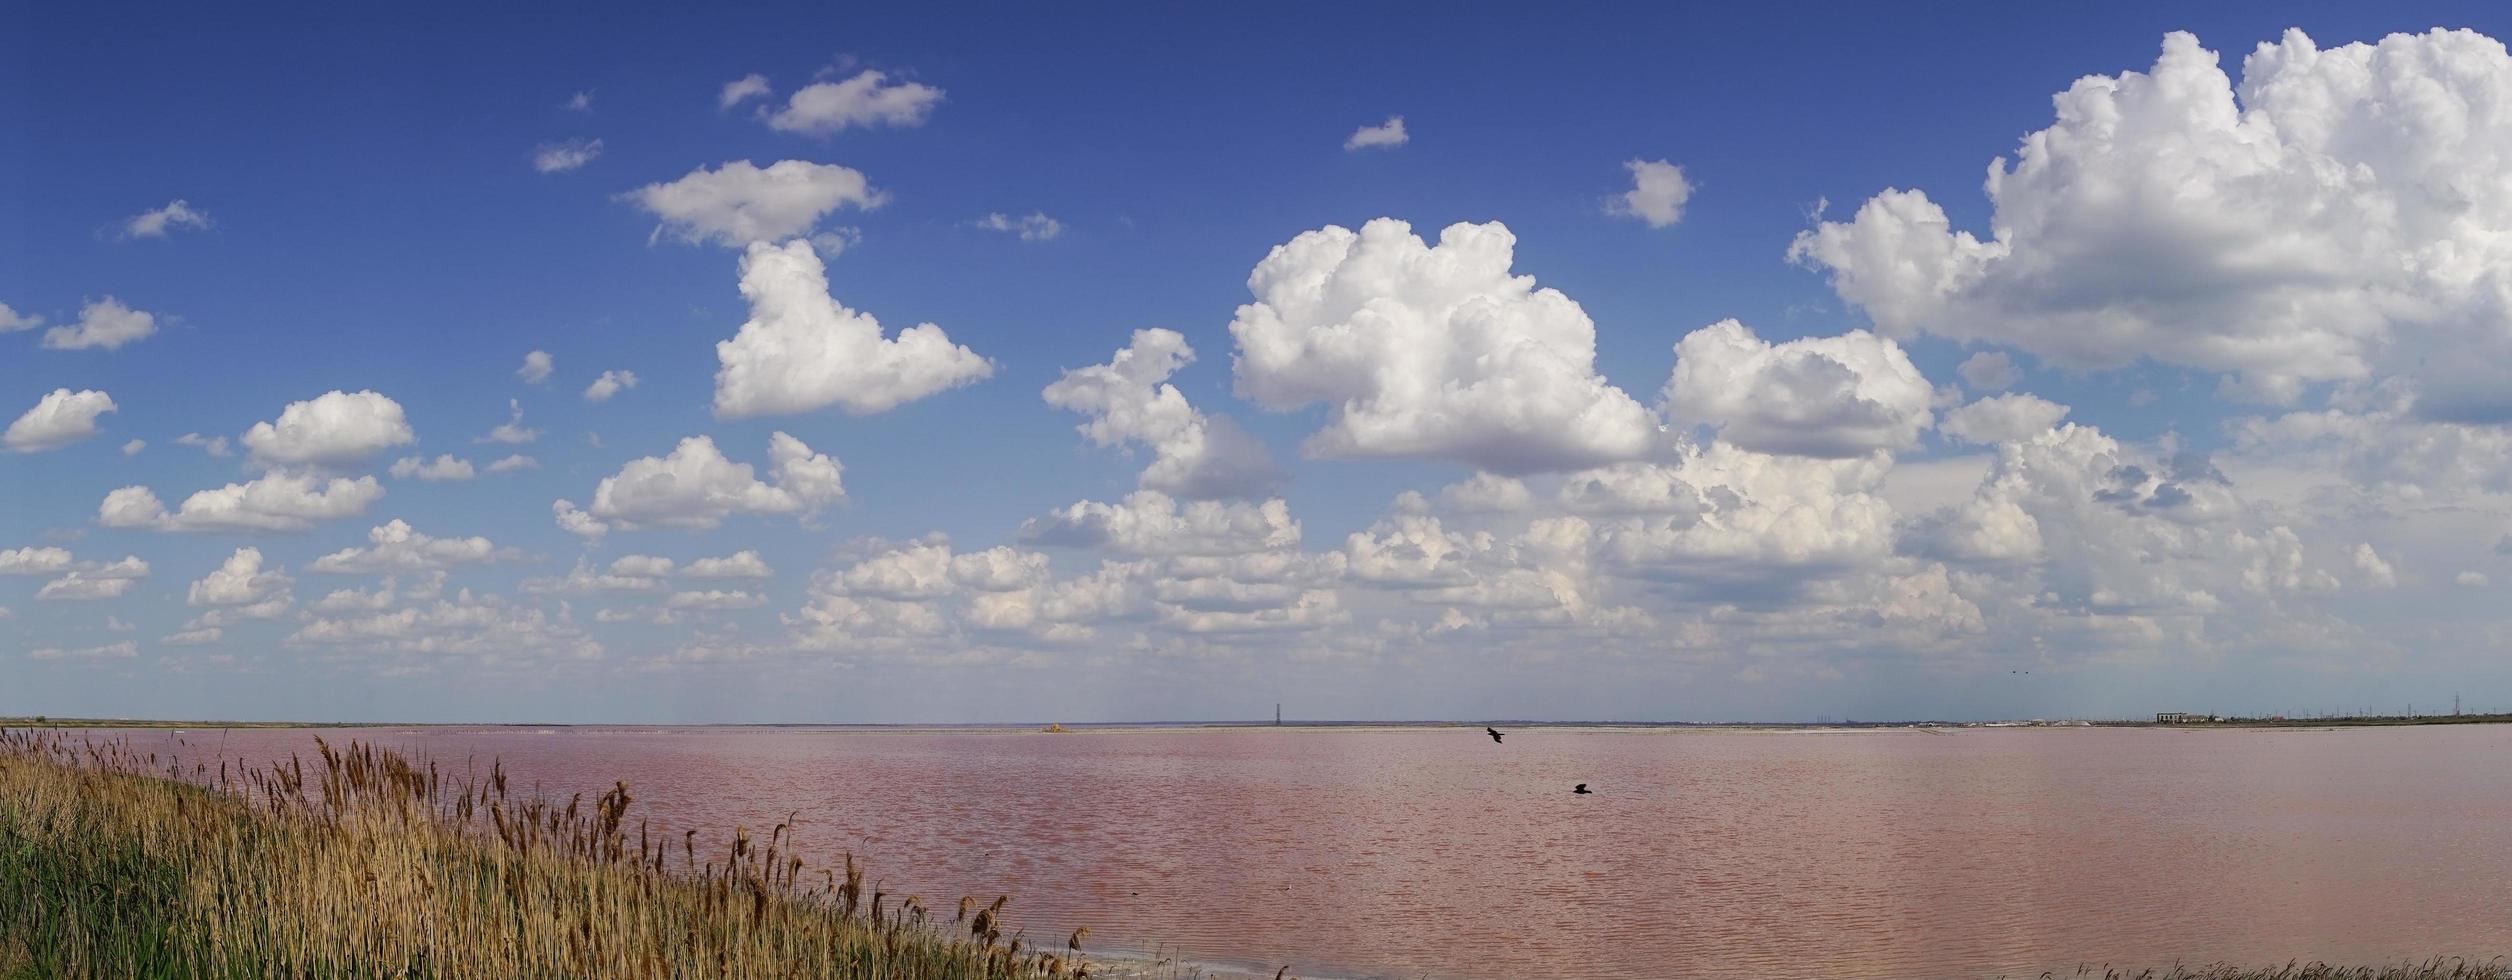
point(192, 638)
point(710, 600)
point(565, 155)
point(740, 203)
point(577, 522)
point(12, 321)
point(738, 565)
point(124, 650)
point(867, 99)
point(1989, 370)
point(745, 88)
point(214, 445)
point(1388, 135)
point(610, 383)
point(443, 468)
point(332, 428)
point(2377, 572)
point(512, 463)
point(695, 487)
point(1034, 227)
point(514, 432)
point(240, 581)
point(2472, 579)
point(1657, 195)
point(59, 419)
point(104, 323)
point(93, 581)
point(155, 224)
point(33, 561)
point(536, 367)
point(580, 102)
point(397, 547)
point(133, 447)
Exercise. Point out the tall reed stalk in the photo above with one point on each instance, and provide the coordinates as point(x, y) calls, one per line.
point(370, 863)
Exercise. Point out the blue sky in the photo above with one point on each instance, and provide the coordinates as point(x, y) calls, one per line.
point(375, 221)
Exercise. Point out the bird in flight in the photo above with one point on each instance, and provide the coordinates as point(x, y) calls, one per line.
point(1580, 789)
point(1493, 732)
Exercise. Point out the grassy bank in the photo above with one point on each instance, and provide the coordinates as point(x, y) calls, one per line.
point(369, 864)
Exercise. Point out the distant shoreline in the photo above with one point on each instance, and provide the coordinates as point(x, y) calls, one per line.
point(2395, 721)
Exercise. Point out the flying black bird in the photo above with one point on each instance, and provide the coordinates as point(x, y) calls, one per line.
point(1493, 732)
point(1580, 789)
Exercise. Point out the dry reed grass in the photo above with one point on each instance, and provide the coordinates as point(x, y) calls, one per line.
point(373, 864)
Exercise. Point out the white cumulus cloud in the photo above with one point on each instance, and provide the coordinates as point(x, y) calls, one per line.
point(696, 487)
point(867, 99)
point(801, 350)
point(1816, 396)
point(444, 467)
point(1657, 195)
point(610, 383)
point(332, 428)
point(1386, 135)
point(1129, 399)
point(155, 223)
point(105, 324)
point(58, 419)
point(278, 501)
point(536, 367)
point(1436, 352)
point(2003, 418)
point(2337, 213)
point(739, 203)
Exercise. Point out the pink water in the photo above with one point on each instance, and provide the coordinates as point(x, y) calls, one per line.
point(1435, 853)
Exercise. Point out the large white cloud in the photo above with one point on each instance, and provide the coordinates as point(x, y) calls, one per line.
point(740, 203)
point(277, 501)
point(333, 428)
point(1423, 351)
point(696, 487)
point(105, 324)
point(1129, 399)
point(2340, 210)
point(801, 350)
point(58, 419)
point(868, 98)
point(1816, 396)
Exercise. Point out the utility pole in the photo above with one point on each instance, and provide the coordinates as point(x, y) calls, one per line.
point(1277, 714)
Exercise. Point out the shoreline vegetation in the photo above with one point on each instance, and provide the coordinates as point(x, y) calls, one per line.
point(2220, 721)
point(369, 863)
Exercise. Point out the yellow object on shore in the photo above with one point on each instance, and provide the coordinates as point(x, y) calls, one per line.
point(1054, 728)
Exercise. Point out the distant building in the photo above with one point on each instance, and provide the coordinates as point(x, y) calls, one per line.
point(2179, 718)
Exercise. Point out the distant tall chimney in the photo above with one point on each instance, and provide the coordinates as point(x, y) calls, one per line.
point(1277, 713)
